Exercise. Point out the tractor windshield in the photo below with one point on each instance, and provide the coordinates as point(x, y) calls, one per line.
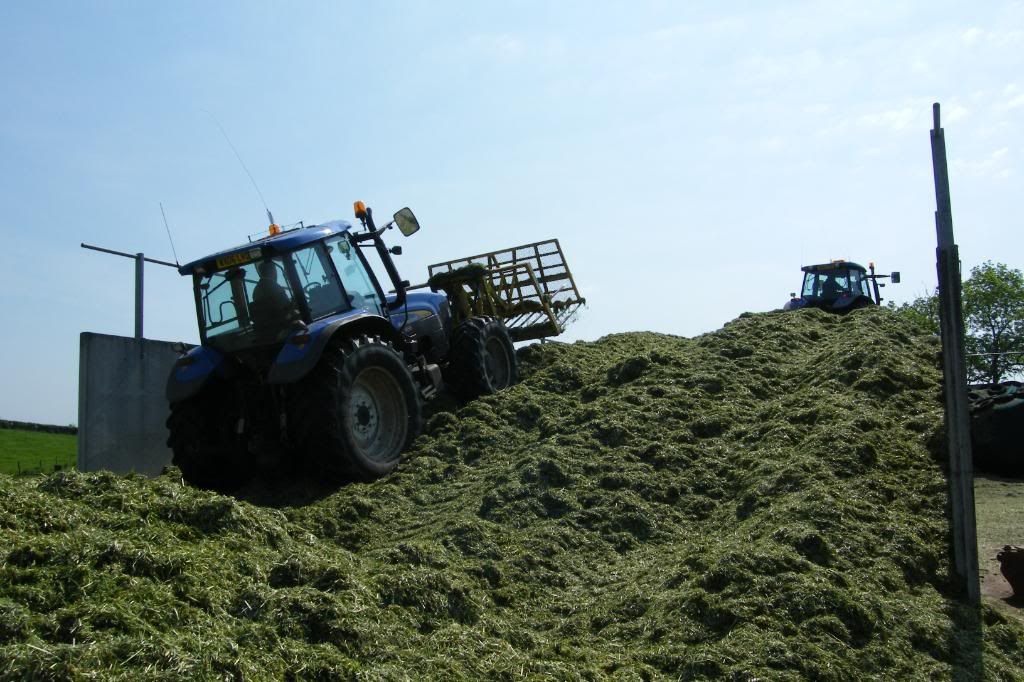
point(831, 284)
point(248, 305)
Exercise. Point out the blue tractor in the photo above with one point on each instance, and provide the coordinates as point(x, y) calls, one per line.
point(839, 287)
point(304, 358)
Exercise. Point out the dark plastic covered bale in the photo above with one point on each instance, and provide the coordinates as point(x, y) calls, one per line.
point(997, 428)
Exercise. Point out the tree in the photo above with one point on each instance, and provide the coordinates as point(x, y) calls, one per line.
point(993, 307)
point(994, 311)
point(923, 310)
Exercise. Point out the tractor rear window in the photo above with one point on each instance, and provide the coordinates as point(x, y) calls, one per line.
point(248, 305)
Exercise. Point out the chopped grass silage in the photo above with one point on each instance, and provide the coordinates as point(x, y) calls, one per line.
point(763, 502)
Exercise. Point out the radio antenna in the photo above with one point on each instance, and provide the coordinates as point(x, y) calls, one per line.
point(169, 238)
point(238, 156)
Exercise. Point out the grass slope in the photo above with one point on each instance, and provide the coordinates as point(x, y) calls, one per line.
point(763, 502)
point(22, 451)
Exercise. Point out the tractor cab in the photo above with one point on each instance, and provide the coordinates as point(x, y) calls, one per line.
point(260, 294)
point(839, 286)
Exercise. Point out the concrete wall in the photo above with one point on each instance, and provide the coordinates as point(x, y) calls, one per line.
point(121, 403)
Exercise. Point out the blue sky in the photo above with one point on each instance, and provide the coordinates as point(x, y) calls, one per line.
point(690, 156)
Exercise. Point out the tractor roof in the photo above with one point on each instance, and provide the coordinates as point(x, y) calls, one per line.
point(834, 265)
point(286, 241)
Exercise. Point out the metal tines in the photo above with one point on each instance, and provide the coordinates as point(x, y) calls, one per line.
point(530, 287)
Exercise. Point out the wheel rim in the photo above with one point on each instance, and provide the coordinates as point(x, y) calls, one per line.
point(496, 363)
point(378, 415)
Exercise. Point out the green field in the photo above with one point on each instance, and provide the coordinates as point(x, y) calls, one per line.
point(36, 451)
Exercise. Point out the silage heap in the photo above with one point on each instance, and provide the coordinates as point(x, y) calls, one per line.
point(762, 502)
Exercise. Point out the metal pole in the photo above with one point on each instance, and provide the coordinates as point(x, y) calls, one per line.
point(140, 263)
point(951, 321)
point(129, 255)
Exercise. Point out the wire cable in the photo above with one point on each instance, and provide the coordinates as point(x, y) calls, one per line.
point(169, 238)
point(238, 156)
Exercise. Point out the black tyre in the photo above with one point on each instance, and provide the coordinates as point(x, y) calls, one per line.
point(202, 437)
point(482, 358)
point(357, 411)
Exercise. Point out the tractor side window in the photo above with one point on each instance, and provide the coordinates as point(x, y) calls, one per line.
point(358, 285)
point(317, 280)
point(860, 283)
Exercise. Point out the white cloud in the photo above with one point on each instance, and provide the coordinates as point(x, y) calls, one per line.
point(975, 36)
point(905, 116)
point(994, 165)
point(503, 46)
point(895, 120)
point(971, 36)
point(716, 28)
point(954, 113)
point(1014, 98)
point(920, 66)
point(771, 70)
point(774, 143)
point(1006, 38)
point(817, 109)
point(1015, 103)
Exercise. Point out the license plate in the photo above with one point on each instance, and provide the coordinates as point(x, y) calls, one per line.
point(236, 259)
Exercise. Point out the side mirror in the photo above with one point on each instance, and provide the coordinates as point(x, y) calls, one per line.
point(895, 278)
point(406, 221)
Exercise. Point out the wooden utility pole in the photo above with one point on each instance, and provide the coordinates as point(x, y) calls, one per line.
point(958, 427)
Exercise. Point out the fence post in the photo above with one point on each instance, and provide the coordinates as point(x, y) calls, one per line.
point(140, 264)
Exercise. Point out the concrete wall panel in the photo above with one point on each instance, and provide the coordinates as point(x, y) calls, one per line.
point(121, 405)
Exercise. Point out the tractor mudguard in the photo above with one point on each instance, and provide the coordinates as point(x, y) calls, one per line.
point(190, 372)
point(299, 356)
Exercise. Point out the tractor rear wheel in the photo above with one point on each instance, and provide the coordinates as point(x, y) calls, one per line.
point(483, 359)
point(357, 411)
point(203, 440)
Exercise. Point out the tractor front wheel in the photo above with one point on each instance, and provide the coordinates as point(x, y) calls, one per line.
point(483, 359)
point(202, 436)
point(357, 411)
